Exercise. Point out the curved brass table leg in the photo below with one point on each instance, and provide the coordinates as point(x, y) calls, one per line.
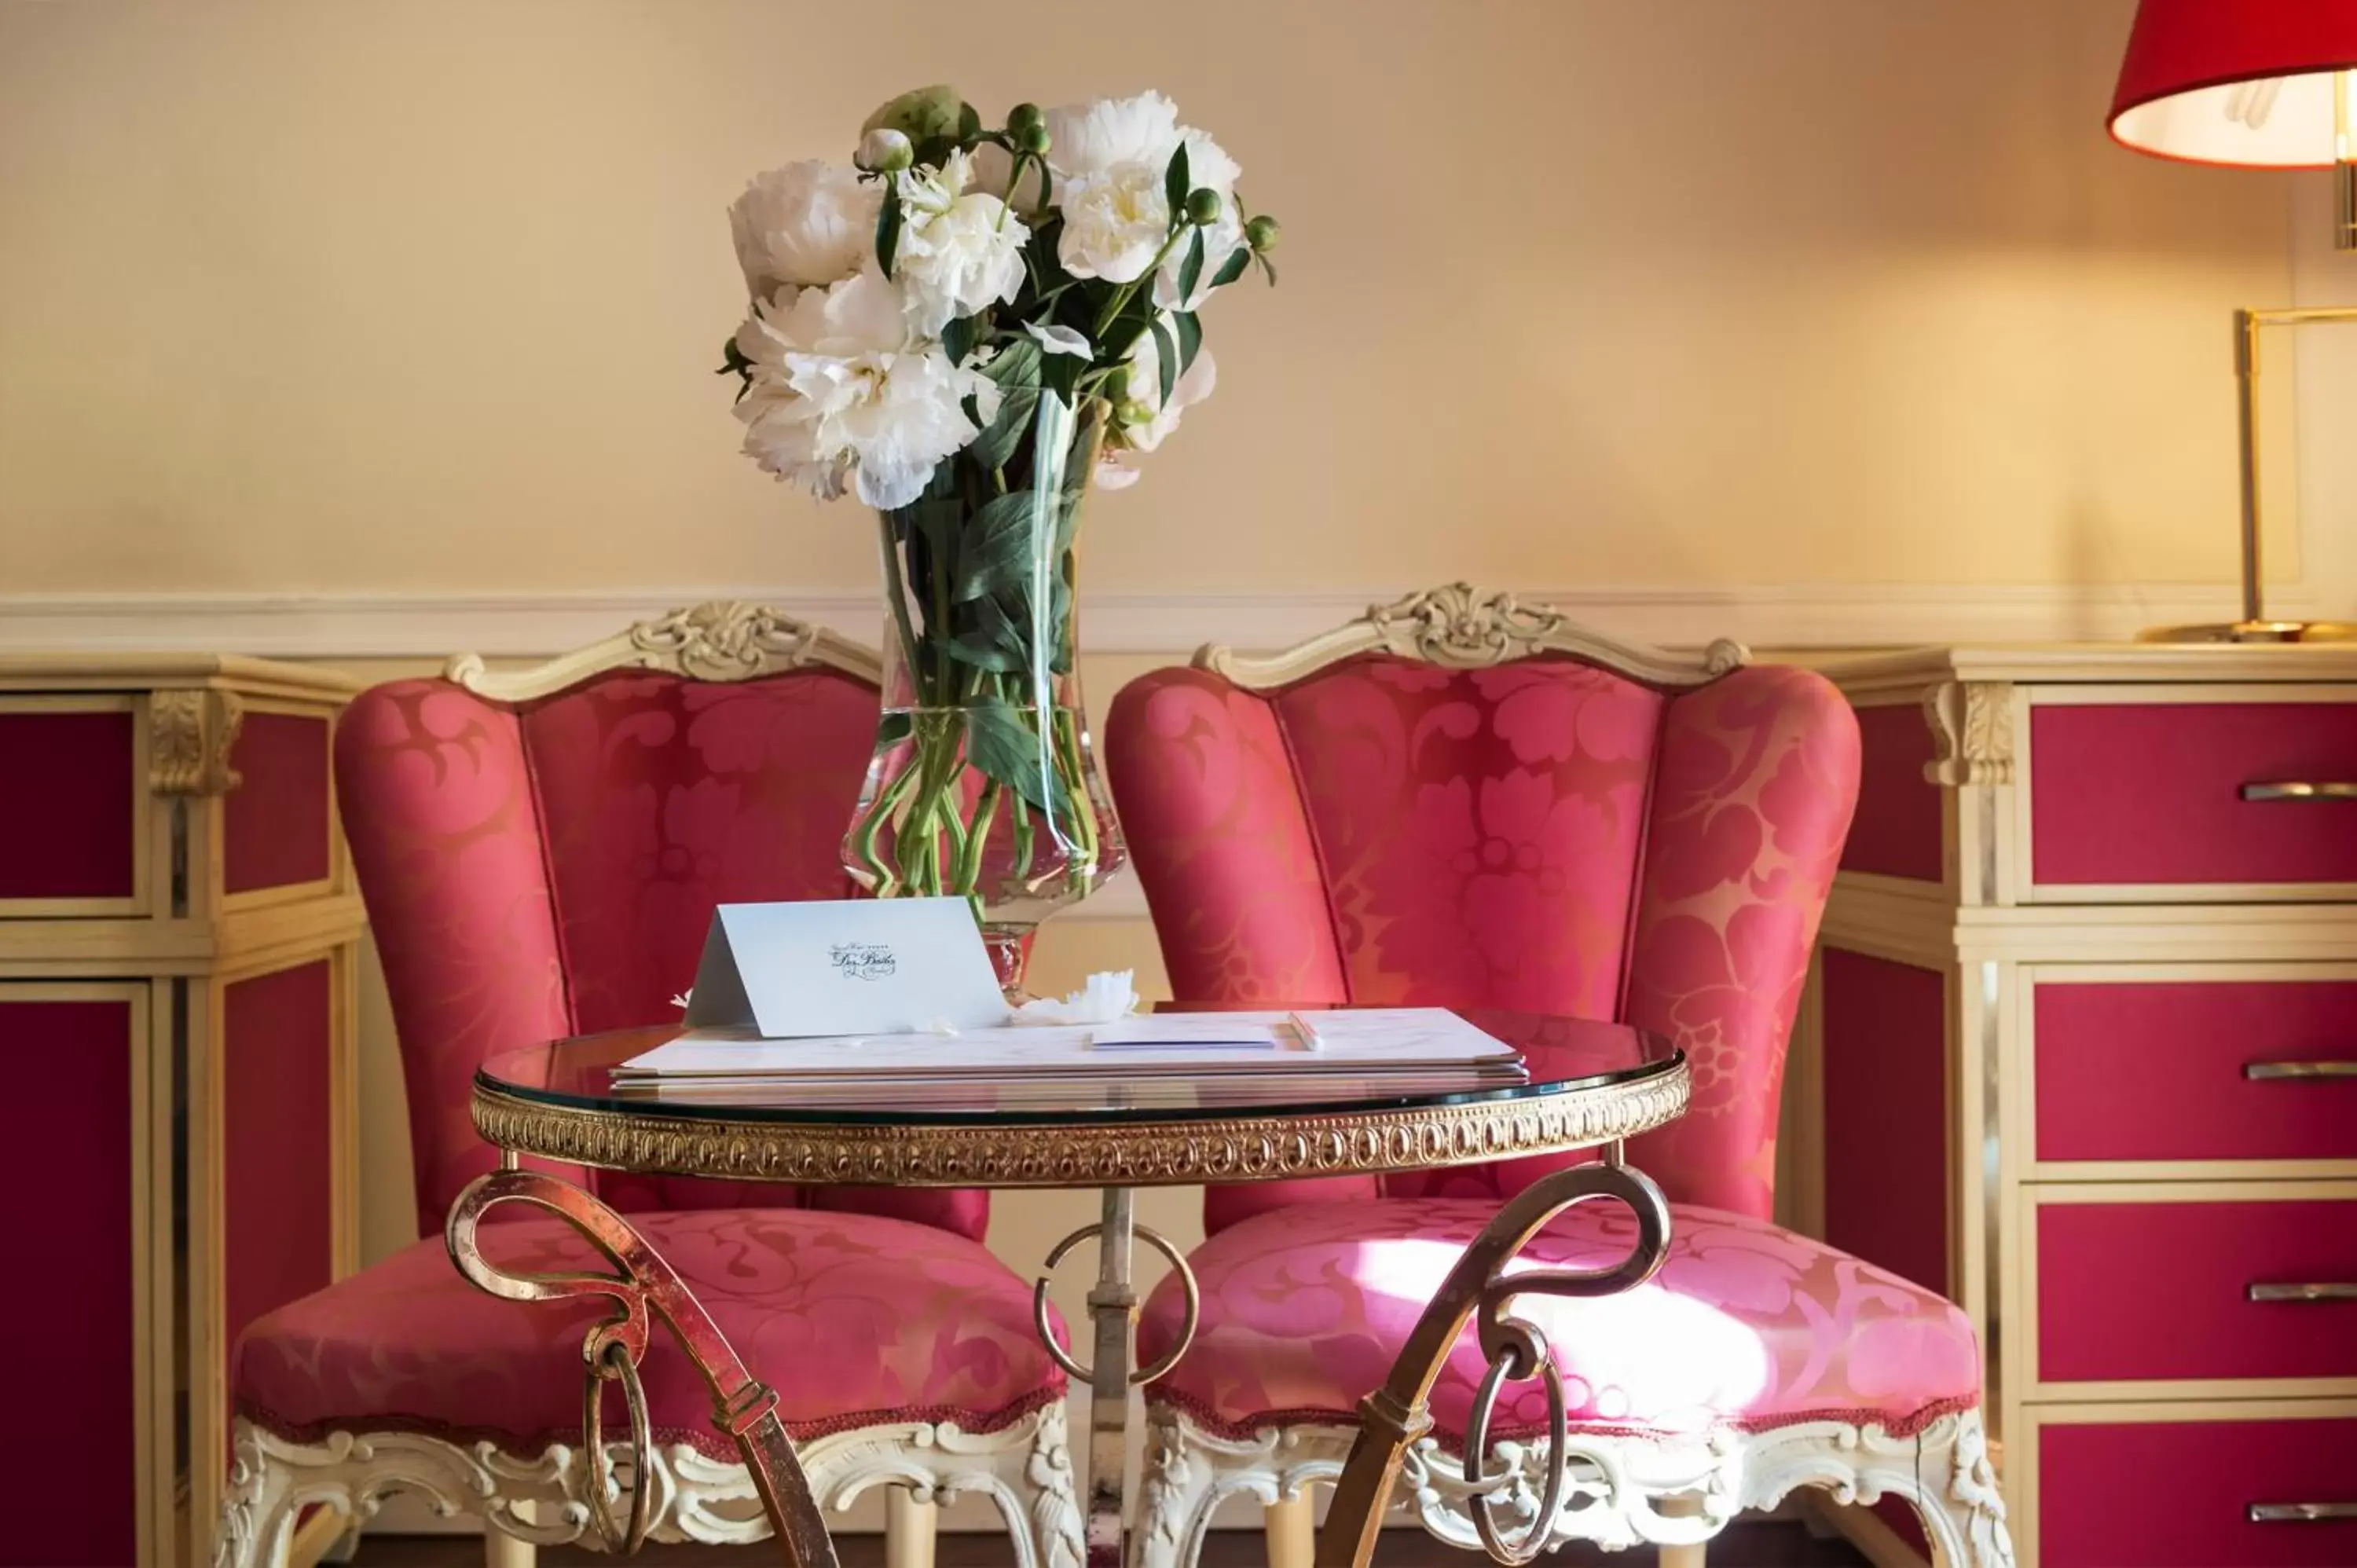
point(643, 1289)
point(1395, 1416)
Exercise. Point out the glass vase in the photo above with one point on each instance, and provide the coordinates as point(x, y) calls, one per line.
point(982, 785)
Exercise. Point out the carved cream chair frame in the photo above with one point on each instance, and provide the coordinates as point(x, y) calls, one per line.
point(1023, 1470)
point(1621, 1492)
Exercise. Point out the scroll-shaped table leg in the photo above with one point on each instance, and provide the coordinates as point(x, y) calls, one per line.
point(643, 1288)
point(1395, 1416)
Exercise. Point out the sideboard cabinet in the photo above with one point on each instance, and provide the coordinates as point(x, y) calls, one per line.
point(2080, 1049)
point(178, 932)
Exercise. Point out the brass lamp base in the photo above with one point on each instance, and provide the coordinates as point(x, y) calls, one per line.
point(2255, 631)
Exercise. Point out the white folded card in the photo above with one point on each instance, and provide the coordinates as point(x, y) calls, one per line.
point(849, 966)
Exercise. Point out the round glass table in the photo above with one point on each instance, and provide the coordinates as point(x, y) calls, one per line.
point(1582, 1085)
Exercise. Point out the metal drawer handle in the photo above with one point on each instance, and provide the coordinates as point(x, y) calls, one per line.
point(2296, 789)
point(2300, 1513)
point(2335, 1290)
point(2265, 1071)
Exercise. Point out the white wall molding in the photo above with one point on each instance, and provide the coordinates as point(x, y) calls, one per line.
point(431, 626)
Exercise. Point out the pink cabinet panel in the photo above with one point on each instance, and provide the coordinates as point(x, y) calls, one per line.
point(1897, 831)
point(66, 1160)
point(275, 829)
point(2153, 1070)
point(2150, 792)
point(279, 1151)
point(69, 818)
point(1886, 1150)
point(2177, 1494)
point(2130, 1290)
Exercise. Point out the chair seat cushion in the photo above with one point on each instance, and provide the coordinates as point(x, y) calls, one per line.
point(1745, 1327)
point(854, 1319)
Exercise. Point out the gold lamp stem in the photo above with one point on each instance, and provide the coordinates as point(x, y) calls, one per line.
point(2344, 163)
point(2246, 400)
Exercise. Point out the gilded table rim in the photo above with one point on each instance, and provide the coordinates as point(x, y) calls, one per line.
point(1205, 1150)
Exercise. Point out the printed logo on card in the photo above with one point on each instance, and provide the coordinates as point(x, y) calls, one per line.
point(863, 960)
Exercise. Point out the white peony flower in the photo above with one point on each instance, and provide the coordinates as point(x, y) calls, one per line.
point(1110, 157)
point(841, 393)
point(1090, 138)
point(960, 249)
point(1114, 223)
point(1195, 383)
point(806, 225)
point(1055, 340)
point(1116, 468)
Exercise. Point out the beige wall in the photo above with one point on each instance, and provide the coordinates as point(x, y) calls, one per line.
point(425, 296)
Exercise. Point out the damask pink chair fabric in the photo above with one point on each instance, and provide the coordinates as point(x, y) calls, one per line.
point(548, 869)
point(857, 1320)
point(1747, 1326)
point(1547, 836)
point(1543, 835)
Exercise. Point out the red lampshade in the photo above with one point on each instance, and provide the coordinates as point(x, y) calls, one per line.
point(2243, 83)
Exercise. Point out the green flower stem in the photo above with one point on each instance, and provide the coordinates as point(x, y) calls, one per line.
point(863, 833)
point(969, 866)
point(1065, 725)
point(896, 595)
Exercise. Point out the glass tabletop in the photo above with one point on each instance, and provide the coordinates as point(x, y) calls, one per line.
point(1562, 1056)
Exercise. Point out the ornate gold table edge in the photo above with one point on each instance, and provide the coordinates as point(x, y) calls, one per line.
point(1262, 1148)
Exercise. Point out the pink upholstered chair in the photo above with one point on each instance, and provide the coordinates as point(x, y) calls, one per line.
point(540, 854)
point(1457, 801)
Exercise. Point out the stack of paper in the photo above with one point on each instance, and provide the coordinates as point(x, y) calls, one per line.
point(1359, 1042)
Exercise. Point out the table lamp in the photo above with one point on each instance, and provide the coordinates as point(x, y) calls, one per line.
point(2249, 84)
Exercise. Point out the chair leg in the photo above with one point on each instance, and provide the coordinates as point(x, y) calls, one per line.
point(1686, 1554)
point(502, 1549)
point(1291, 1524)
point(909, 1527)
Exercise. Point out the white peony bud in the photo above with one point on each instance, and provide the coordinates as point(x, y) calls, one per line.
point(885, 151)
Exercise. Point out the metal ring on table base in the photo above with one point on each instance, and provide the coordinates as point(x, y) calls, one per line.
point(1162, 1363)
point(1395, 1415)
point(616, 1367)
point(1517, 1364)
point(643, 1288)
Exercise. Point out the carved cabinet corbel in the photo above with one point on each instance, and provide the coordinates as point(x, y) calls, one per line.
point(2080, 1050)
point(178, 939)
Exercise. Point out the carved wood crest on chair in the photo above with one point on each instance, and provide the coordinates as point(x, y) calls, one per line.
point(1461, 800)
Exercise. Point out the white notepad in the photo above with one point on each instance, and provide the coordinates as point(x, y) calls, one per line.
point(1362, 1041)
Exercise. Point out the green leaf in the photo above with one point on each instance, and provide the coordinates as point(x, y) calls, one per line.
point(1017, 371)
point(1234, 267)
point(1190, 338)
point(996, 548)
point(1000, 745)
point(1191, 268)
point(1016, 364)
point(1003, 436)
point(957, 338)
point(891, 730)
point(1165, 359)
point(887, 228)
point(1175, 184)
